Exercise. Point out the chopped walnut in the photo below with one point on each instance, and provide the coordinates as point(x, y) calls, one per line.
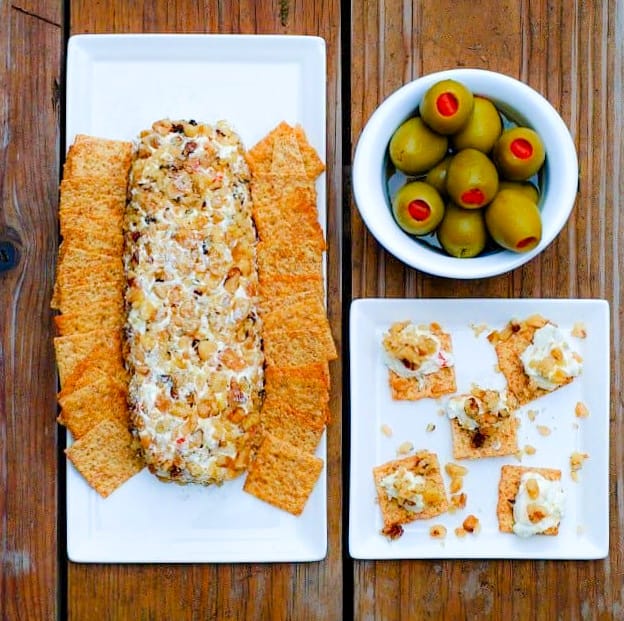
point(437, 531)
point(529, 450)
point(460, 532)
point(579, 330)
point(430, 427)
point(581, 410)
point(386, 430)
point(543, 430)
point(392, 531)
point(458, 501)
point(532, 414)
point(405, 448)
point(471, 524)
point(455, 470)
point(532, 488)
point(536, 512)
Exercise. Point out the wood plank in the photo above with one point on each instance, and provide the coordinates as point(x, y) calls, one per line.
point(570, 53)
point(29, 135)
point(245, 591)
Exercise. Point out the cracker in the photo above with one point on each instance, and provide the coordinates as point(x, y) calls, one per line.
point(283, 475)
point(268, 190)
point(283, 288)
point(103, 347)
point(106, 456)
point(89, 374)
point(95, 196)
point(90, 156)
point(305, 311)
point(313, 164)
point(286, 423)
point(78, 267)
point(427, 465)
point(85, 407)
point(508, 487)
point(287, 159)
point(91, 316)
point(434, 385)
point(83, 299)
point(298, 347)
point(504, 441)
point(260, 156)
point(304, 259)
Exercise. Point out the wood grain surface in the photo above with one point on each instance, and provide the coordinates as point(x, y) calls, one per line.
point(572, 54)
point(570, 51)
point(31, 44)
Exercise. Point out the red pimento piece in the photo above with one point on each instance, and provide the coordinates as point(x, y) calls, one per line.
point(527, 241)
point(474, 196)
point(521, 148)
point(419, 210)
point(180, 440)
point(447, 104)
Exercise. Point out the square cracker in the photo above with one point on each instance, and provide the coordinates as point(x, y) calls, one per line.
point(508, 487)
point(85, 407)
point(91, 317)
point(305, 259)
point(287, 159)
point(78, 266)
point(509, 344)
point(435, 385)
point(283, 475)
point(90, 374)
point(424, 463)
point(91, 156)
point(298, 347)
point(313, 164)
point(103, 347)
point(106, 456)
point(305, 311)
point(278, 290)
point(80, 300)
point(93, 196)
point(260, 156)
point(105, 240)
point(301, 430)
point(503, 442)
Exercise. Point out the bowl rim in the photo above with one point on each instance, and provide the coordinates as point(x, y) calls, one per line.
point(528, 106)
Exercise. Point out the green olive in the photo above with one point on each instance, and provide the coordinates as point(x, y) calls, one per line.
point(414, 148)
point(514, 221)
point(524, 187)
point(418, 208)
point(462, 232)
point(437, 175)
point(519, 153)
point(471, 180)
point(483, 128)
point(446, 106)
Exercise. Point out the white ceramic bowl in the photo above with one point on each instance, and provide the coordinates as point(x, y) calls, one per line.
point(516, 100)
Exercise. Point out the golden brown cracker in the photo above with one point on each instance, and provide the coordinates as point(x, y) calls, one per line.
point(424, 463)
point(298, 348)
point(260, 156)
point(99, 196)
point(508, 487)
point(287, 159)
point(283, 475)
point(90, 156)
point(297, 428)
point(89, 374)
point(102, 347)
point(85, 407)
point(472, 445)
point(91, 316)
point(81, 299)
point(100, 241)
point(279, 289)
point(306, 311)
point(78, 266)
point(434, 385)
point(313, 164)
point(106, 456)
point(302, 260)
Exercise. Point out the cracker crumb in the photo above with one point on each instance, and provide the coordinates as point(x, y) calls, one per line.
point(576, 463)
point(471, 524)
point(529, 450)
point(386, 430)
point(405, 448)
point(455, 470)
point(437, 531)
point(456, 484)
point(430, 427)
point(579, 330)
point(460, 532)
point(581, 410)
point(531, 414)
point(543, 430)
point(478, 329)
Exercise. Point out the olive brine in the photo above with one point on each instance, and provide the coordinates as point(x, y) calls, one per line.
point(469, 174)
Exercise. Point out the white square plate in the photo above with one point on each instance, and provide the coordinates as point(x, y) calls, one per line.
point(584, 530)
point(118, 85)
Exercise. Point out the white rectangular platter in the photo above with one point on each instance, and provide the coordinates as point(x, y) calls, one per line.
point(118, 85)
point(584, 529)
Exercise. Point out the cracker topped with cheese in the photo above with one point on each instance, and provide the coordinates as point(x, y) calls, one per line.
point(419, 360)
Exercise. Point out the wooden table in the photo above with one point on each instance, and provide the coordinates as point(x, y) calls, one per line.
point(567, 50)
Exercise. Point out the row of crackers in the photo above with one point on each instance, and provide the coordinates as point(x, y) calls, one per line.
point(296, 334)
point(88, 292)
